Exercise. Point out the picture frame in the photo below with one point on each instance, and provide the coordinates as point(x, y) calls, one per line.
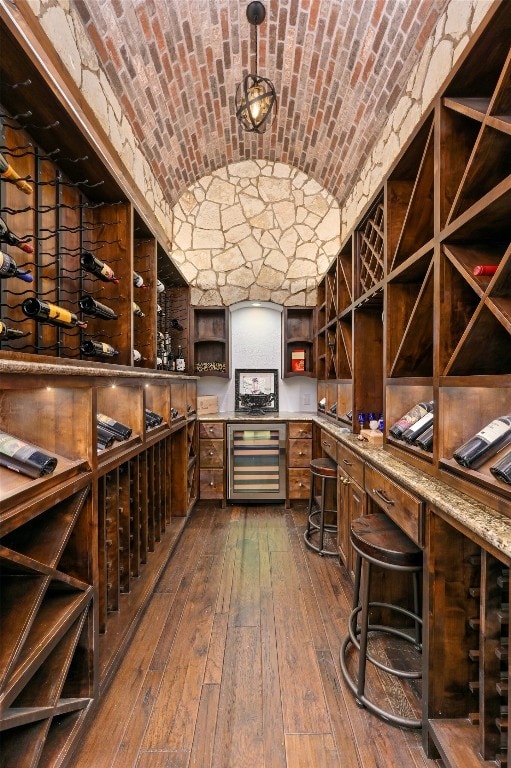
point(256, 390)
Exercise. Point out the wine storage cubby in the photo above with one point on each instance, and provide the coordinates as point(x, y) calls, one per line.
point(467, 698)
point(298, 342)
point(370, 251)
point(210, 341)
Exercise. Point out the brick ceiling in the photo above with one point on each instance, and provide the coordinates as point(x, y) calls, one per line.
point(338, 67)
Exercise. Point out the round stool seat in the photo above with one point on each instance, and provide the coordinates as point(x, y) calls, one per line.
point(325, 471)
point(377, 537)
point(377, 540)
point(324, 467)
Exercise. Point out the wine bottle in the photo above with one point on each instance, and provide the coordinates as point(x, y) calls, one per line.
point(484, 443)
point(120, 431)
point(45, 312)
point(138, 281)
point(8, 173)
point(425, 441)
point(333, 408)
point(485, 269)
point(152, 419)
point(105, 437)
point(322, 404)
point(92, 348)
point(180, 361)
point(95, 266)
point(159, 286)
point(6, 236)
point(409, 418)
point(9, 268)
point(90, 306)
point(175, 324)
point(411, 434)
point(502, 468)
point(137, 311)
point(24, 457)
point(137, 357)
point(10, 333)
point(174, 413)
point(159, 310)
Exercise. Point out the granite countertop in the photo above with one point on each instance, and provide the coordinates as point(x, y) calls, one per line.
point(256, 417)
point(487, 523)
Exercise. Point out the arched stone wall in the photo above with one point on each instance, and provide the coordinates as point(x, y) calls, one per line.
point(255, 230)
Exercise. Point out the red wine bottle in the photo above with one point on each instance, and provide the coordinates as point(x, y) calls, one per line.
point(8, 173)
point(6, 236)
point(138, 281)
point(95, 266)
point(9, 268)
point(410, 418)
point(485, 269)
point(92, 348)
point(90, 306)
point(137, 311)
point(105, 437)
point(425, 441)
point(120, 431)
point(10, 333)
point(24, 457)
point(485, 443)
point(45, 312)
point(411, 434)
point(502, 468)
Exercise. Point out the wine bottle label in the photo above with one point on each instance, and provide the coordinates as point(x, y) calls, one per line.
point(11, 446)
point(411, 417)
point(106, 419)
point(10, 173)
point(106, 271)
point(58, 313)
point(493, 431)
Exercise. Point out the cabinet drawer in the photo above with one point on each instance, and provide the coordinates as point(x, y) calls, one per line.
point(329, 445)
point(401, 506)
point(300, 453)
point(300, 429)
point(211, 484)
point(211, 453)
point(352, 464)
point(211, 429)
point(299, 483)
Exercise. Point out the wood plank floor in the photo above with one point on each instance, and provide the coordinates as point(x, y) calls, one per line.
point(235, 663)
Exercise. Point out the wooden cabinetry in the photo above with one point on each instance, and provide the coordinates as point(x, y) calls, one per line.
point(299, 455)
point(466, 693)
point(417, 324)
point(298, 342)
point(82, 548)
point(210, 341)
point(212, 460)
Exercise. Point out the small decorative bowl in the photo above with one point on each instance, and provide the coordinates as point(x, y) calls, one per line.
point(256, 402)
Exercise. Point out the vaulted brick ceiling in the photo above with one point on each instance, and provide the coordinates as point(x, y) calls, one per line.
point(338, 66)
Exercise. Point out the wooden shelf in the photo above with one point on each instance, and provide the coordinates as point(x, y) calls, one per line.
point(298, 336)
point(210, 341)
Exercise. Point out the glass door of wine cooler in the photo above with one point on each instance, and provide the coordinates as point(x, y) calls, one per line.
point(256, 461)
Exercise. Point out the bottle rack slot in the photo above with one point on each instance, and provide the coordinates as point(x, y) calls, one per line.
point(370, 246)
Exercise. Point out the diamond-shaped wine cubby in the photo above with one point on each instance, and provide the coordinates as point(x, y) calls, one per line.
point(46, 676)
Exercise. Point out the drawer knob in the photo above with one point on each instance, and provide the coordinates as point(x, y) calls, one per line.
point(345, 481)
point(327, 445)
point(211, 429)
point(382, 496)
point(212, 483)
point(300, 485)
point(211, 453)
point(349, 463)
point(300, 453)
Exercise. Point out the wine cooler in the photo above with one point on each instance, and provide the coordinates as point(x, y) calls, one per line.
point(256, 462)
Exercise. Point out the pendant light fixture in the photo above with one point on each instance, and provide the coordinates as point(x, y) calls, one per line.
point(256, 100)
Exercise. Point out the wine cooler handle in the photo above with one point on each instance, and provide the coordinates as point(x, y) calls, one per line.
point(382, 496)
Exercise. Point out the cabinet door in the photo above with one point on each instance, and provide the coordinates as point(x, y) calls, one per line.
point(351, 504)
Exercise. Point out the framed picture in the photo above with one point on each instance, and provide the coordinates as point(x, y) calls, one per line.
point(256, 390)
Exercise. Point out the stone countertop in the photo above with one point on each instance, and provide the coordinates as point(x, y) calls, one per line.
point(256, 417)
point(488, 524)
point(64, 367)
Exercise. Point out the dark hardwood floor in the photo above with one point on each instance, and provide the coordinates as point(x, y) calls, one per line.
point(235, 662)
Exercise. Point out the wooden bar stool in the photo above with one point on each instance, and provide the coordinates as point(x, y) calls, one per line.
point(326, 470)
point(378, 541)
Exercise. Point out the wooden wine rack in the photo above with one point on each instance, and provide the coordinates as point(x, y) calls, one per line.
point(418, 325)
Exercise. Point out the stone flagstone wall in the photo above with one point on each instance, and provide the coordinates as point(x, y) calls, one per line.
point(256, 230)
